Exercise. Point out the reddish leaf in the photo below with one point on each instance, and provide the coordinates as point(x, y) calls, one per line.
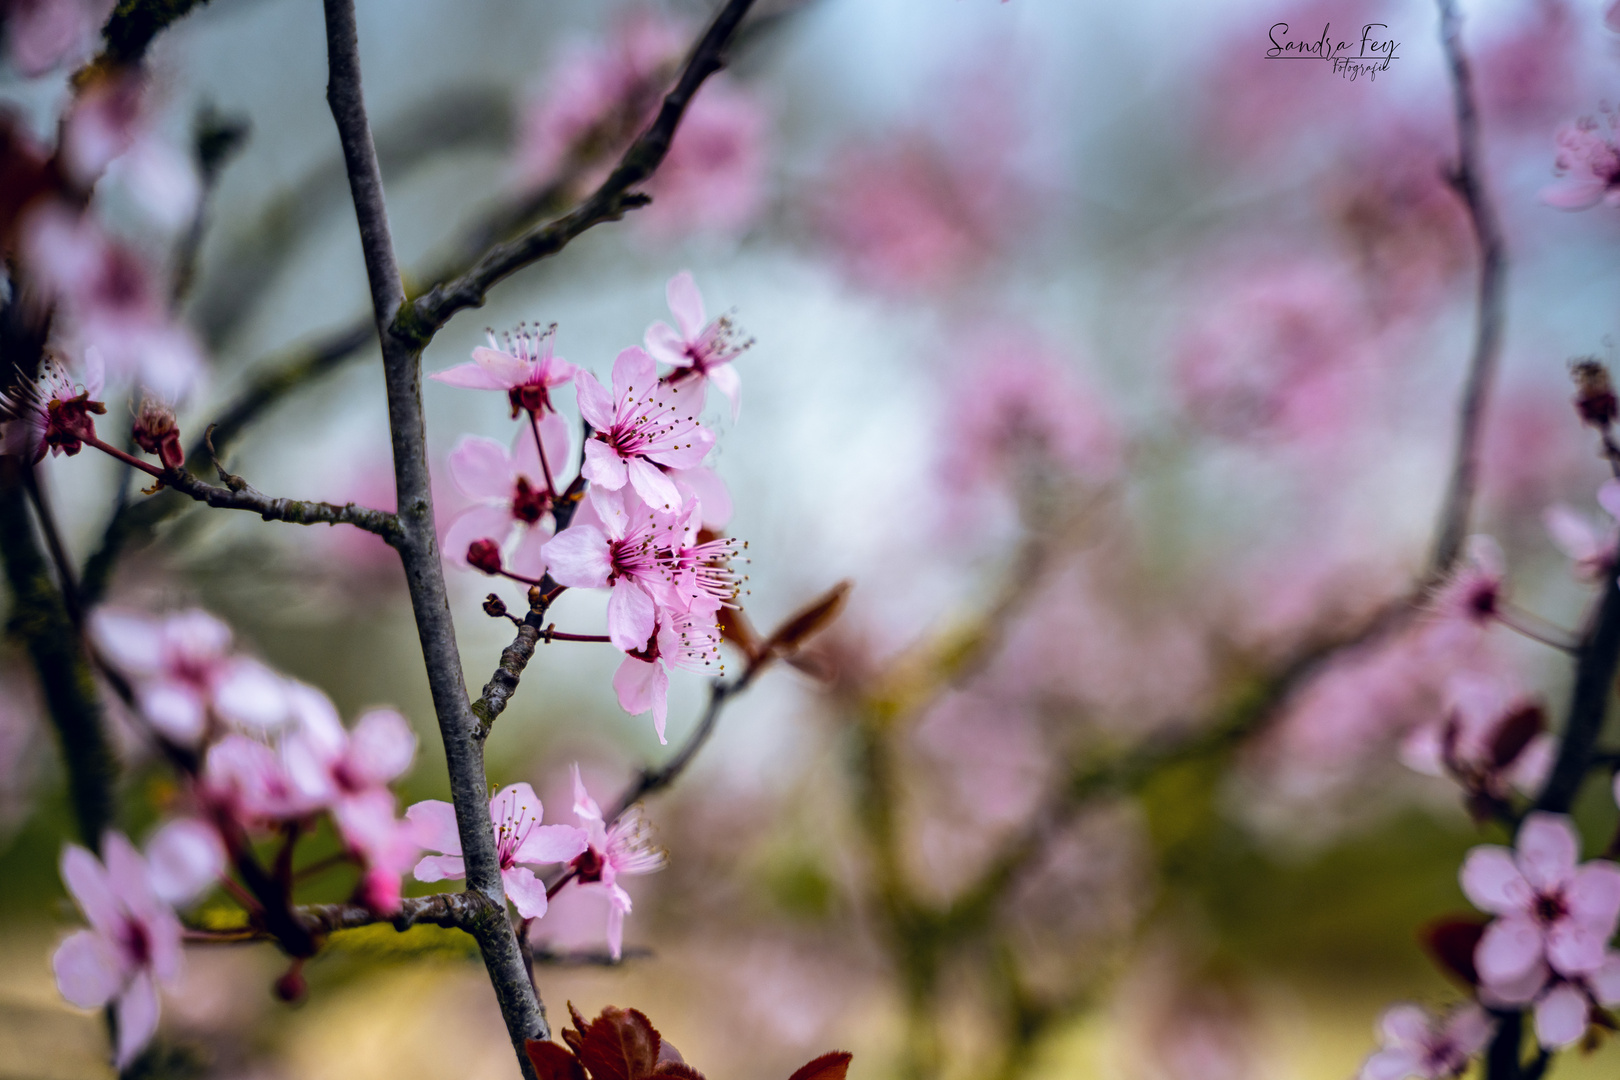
point(1451, 943)
point(1515, 733)
point(831, 1066)
point(807, 621)
point(552, 1062)
point(574, 1036)
point(620, 1044)
point(676, 1070)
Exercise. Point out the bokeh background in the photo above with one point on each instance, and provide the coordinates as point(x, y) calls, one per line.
point(1112, 363)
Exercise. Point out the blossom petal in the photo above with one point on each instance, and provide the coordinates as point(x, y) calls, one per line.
point(129, 639)
point(615, 931)
point(433, 823)
point(482, 469)
point(634, 375)
point(1593, 894)
point(1548, 849)
point(86, 969)
point(551, 844)
point(1574, 193)
point(1608, 497)
point(1404, 1025)
point(528, 556)
point(1510, 947)
point(556, 434)
point(382, 746)
point(637, 682)
point(666, 345)
point(1397, 1064)
point(686, 303)
point(468, 376)
point(725, 379)
point(250, 695)
point(184, 858)
point(595, 403)
point(137, 1018)
point(527, 892)
point(631, 616)
point(1561, 1017)
point(440, 868)
point(492, 523)
point(578, 558)
point(1605, 981)
point(705, 486)
point(689, 454)
point(655, 489)
point(175, 709)
point(503, 368)
point(603, 465)
point(584, 806)
point(516, 808)
point(1575, 948)
point(1492, 881)
point(87, 880)
point(1470, 1028)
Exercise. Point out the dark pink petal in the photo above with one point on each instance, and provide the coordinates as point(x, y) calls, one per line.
point(87, 970)
point(1561, 1017)
point(1548, 848)
point(527, 892)
point(1492, 881)
point(1511, 946)
point(433, 823)
point(137, 1018)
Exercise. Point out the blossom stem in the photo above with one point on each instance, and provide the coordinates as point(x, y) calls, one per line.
point(1536, 628)
point(540, 446)
point(241, 896)
point(556, 886)
point(128, 459)
point(551, 635)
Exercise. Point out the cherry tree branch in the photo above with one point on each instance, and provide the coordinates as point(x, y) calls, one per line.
point(609, 202)
point(418, 547)
point(1467, 178)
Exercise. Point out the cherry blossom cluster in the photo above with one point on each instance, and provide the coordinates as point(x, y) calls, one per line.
point(638, 518)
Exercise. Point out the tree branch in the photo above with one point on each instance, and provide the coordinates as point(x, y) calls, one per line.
point(238, 494)
point(1467, 178)
point(418, 547)
point(609, 202)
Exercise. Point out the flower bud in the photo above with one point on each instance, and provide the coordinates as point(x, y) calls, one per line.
point(494, 606)
point(157, 433)
point(291, 987)
point(1594, 393)
point(484, 555)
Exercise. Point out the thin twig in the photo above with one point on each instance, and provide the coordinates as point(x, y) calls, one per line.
point(1467, 178)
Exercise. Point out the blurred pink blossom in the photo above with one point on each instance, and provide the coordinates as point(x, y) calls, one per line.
point(132, 945)
point(111, 121)
point(41, 34)
point(1489, 737)
point(1587, 164)
point(53, 413)
point(1529, 72)
point(1417, 1043)
point(113, 301)
point(1590, 546)
point(519, 839)
point(624, 848)
point(713, 179)
point(184, 858)
point(185, 673)
point(1551, 911)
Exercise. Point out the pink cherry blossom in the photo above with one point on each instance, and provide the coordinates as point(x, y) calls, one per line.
point(184, 858)
point(624, 849)
point(519, 839)
point(185, 673)
point(1563, 1004)
point(348, 772)
point(629, 554)
point(111, 124)
point(686, 640)
point(1470, 599)
point(388, 846)
point(512, 496)
point(525, 368)
point(133, 943)
point(1467, 741)
point(53, 413)
point(40, 34)
point(643, 425)
point(713, 178)
point(1417, 1043)
point(1587, 164)
point(1591, 547)
point(1548, 909)
point(249, 781)
point(702, 350)
point(113, 301)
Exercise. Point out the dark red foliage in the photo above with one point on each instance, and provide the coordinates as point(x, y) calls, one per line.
point(622, 1044)
point(1451, 943)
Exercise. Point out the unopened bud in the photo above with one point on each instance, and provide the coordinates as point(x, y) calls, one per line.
point(291, 987)
point(494, 606)
point(157, 433)
point(484, 555)
point(1594, 393)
